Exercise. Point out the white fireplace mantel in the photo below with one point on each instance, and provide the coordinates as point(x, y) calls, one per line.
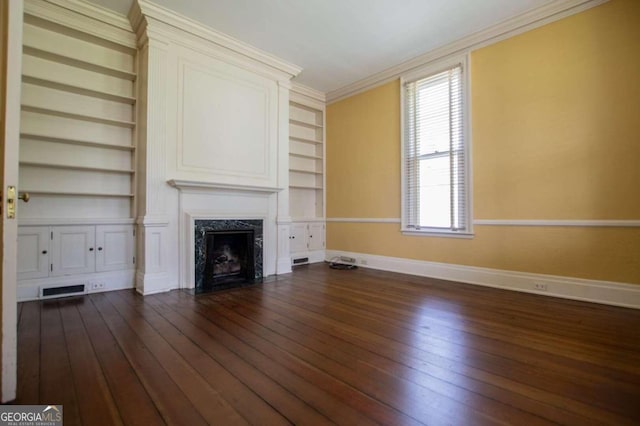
point(182, 185)
point(213, 137)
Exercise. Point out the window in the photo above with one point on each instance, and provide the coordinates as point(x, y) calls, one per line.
point(435, 151)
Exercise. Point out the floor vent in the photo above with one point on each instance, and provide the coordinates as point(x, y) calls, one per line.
point(300, 260)
point(68, 290)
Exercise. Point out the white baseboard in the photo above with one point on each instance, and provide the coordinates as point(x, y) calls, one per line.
point(114, 280)
point(152, 283)
point(315, 256)
point(605, 292)
point(283, 265)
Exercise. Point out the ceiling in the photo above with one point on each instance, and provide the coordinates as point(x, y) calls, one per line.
point(339, 42)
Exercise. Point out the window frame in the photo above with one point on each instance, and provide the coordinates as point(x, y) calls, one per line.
point(418, 74)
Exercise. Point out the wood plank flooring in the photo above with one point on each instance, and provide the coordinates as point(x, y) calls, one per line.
point(321, 346)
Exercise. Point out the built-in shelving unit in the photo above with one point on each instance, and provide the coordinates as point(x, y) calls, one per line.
point(306, 158)
point(77, 147)
point(307, 176)
point(77, 151)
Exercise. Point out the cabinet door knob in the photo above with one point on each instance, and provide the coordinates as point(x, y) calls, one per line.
point(99, 248)
point(90, 248)
point(294, 237)
point(44, 252)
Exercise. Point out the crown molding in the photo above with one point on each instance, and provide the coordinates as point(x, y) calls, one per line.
point(102, 22)
point(309, 92)
point(142, 10)
point(527, 21)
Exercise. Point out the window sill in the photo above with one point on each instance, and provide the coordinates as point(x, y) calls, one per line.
point(444, 234)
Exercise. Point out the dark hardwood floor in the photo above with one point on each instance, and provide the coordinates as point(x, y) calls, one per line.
point(321, 346)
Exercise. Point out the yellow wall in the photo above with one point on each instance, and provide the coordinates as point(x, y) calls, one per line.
point(555, 135)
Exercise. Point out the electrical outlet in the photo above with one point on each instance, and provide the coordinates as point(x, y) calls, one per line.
point(97, 286)
point(540, 287)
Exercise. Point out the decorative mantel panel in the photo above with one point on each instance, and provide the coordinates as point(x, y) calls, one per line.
point(213, 137)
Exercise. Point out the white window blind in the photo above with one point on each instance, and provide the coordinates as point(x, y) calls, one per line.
point(435, 163)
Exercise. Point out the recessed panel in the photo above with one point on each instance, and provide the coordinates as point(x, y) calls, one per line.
point(225, 124)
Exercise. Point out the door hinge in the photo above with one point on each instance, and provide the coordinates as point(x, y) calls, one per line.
point(134, 260)
point(134, 232)
point(51, 235)
point(52, 267)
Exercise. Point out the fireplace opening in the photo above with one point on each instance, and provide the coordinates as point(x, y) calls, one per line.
point(227, 253)
point(229, 258)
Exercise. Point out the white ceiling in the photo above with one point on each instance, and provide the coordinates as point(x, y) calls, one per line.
point(338, 42)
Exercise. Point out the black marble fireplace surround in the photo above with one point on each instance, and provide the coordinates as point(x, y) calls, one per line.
point(227, 232)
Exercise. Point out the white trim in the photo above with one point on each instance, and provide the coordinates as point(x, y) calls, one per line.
point(152, 221)
point(151, 10)
point(112, 280)
point(364, 219)
point(605, 292)
point(11, 19)
point(307, 219)
point(198, 185)
point(153, 283)
point(580, 223)
point(452, 61)
point(445, 234)
point(74, 221)
point(527, 21)
point(308, 92)
point(507, 222)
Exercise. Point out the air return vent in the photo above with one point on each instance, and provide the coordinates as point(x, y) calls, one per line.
point(61, 291)
point(300, 261)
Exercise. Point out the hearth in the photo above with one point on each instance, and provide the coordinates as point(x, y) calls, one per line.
point(228, 253)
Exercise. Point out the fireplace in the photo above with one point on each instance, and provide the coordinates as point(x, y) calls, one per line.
point(228, 253)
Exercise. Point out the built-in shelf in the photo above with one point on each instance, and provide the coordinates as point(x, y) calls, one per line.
point(72, 167)
point(76, 194)
point(306, 178)
point(315, 157)
point(311, 172)
point(89, 66)
point(306, 140)
point(51, 84)
point(53, 139)
point(64, 114)
point(305, 124)
point(305, 187)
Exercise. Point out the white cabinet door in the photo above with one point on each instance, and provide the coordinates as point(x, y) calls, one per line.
point(114, 247)
point(73, 250)
point(298, 237)
point(33, 252)
point(316, 236)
